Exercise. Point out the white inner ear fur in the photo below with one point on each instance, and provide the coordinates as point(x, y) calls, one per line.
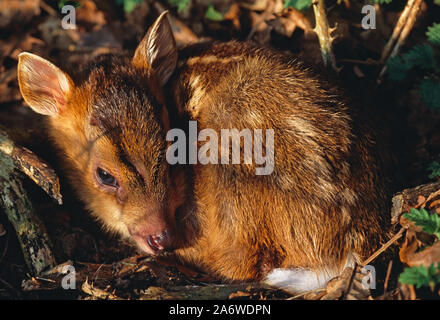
point(44, 85)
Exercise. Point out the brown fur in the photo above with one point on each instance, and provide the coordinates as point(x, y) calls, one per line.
point(324, 203)
point(324, 200)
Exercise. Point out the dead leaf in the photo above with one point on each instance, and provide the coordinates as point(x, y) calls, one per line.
point(18, 11)
point(239, 294)
point(426, 257)
point(347, 286)
point(420, 201)
point(97, 292)
point(409, 246)
point(297, 18)
point(88, 16)
point(233, 15)
point(257, 5)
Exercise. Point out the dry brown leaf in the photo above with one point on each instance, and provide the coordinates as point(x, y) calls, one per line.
point(337, 287)
point(409, 246)
point(257, 5)
point(88, 15)
point(233, 15)
point(426, 257)
point(97, 292)
point(29, 43)
point(298, 19)
point(239, 294)
point(258, 22)
point(18, 11)
point(420, 201)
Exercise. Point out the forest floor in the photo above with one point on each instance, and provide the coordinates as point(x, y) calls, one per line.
point(109, 269)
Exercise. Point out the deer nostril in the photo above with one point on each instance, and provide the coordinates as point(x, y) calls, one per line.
point(158, 242)
point(153, 243)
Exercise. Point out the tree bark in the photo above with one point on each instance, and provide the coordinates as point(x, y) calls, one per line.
point(14, 200)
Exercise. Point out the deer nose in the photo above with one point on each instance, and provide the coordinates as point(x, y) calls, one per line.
point(160, 241)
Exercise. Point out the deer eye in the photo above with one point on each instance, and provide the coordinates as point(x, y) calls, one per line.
point(106, 178)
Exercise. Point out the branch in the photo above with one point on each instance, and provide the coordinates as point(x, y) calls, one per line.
point(426, 195)
point(14, 200)
point(31, 165)
point(323, 31)
point(400, 33)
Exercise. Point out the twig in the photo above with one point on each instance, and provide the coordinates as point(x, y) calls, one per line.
point(400, 33)
point(430, 197)
point(323, 31)
point(44, 279)
point(368, 62)
point(48, 9)
point(397, 30)
point(407, 27)
point(384, 247)
point(387, 278)
point(412, 292)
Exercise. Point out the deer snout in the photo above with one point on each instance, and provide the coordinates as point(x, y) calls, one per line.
point(151, 238)
point(159, 242)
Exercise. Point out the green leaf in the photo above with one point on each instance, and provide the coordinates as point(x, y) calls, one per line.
point(382, 1)
point(63, 3)
point(298, 4)
point(128, 5)
point(430, 223)
point(433, 33)
point(397, 69)
point(213, 14)
point(420, 56)
point(421, 276)
point(437, 2)
point(180, 4)
point(429, 91)
point(434, 167)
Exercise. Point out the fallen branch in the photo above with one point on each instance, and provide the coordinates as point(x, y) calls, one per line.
point(31, 165)
point(420, 196)
point(14, 200)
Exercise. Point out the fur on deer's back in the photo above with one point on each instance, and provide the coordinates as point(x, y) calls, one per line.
point(322, 207)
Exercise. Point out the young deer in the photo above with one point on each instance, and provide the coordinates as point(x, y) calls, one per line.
point(322, 208)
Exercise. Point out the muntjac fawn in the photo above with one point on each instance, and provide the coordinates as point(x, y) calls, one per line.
point(320, 206)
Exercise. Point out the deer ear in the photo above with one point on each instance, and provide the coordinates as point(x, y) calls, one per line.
point(157, 51)
point(44, 87)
